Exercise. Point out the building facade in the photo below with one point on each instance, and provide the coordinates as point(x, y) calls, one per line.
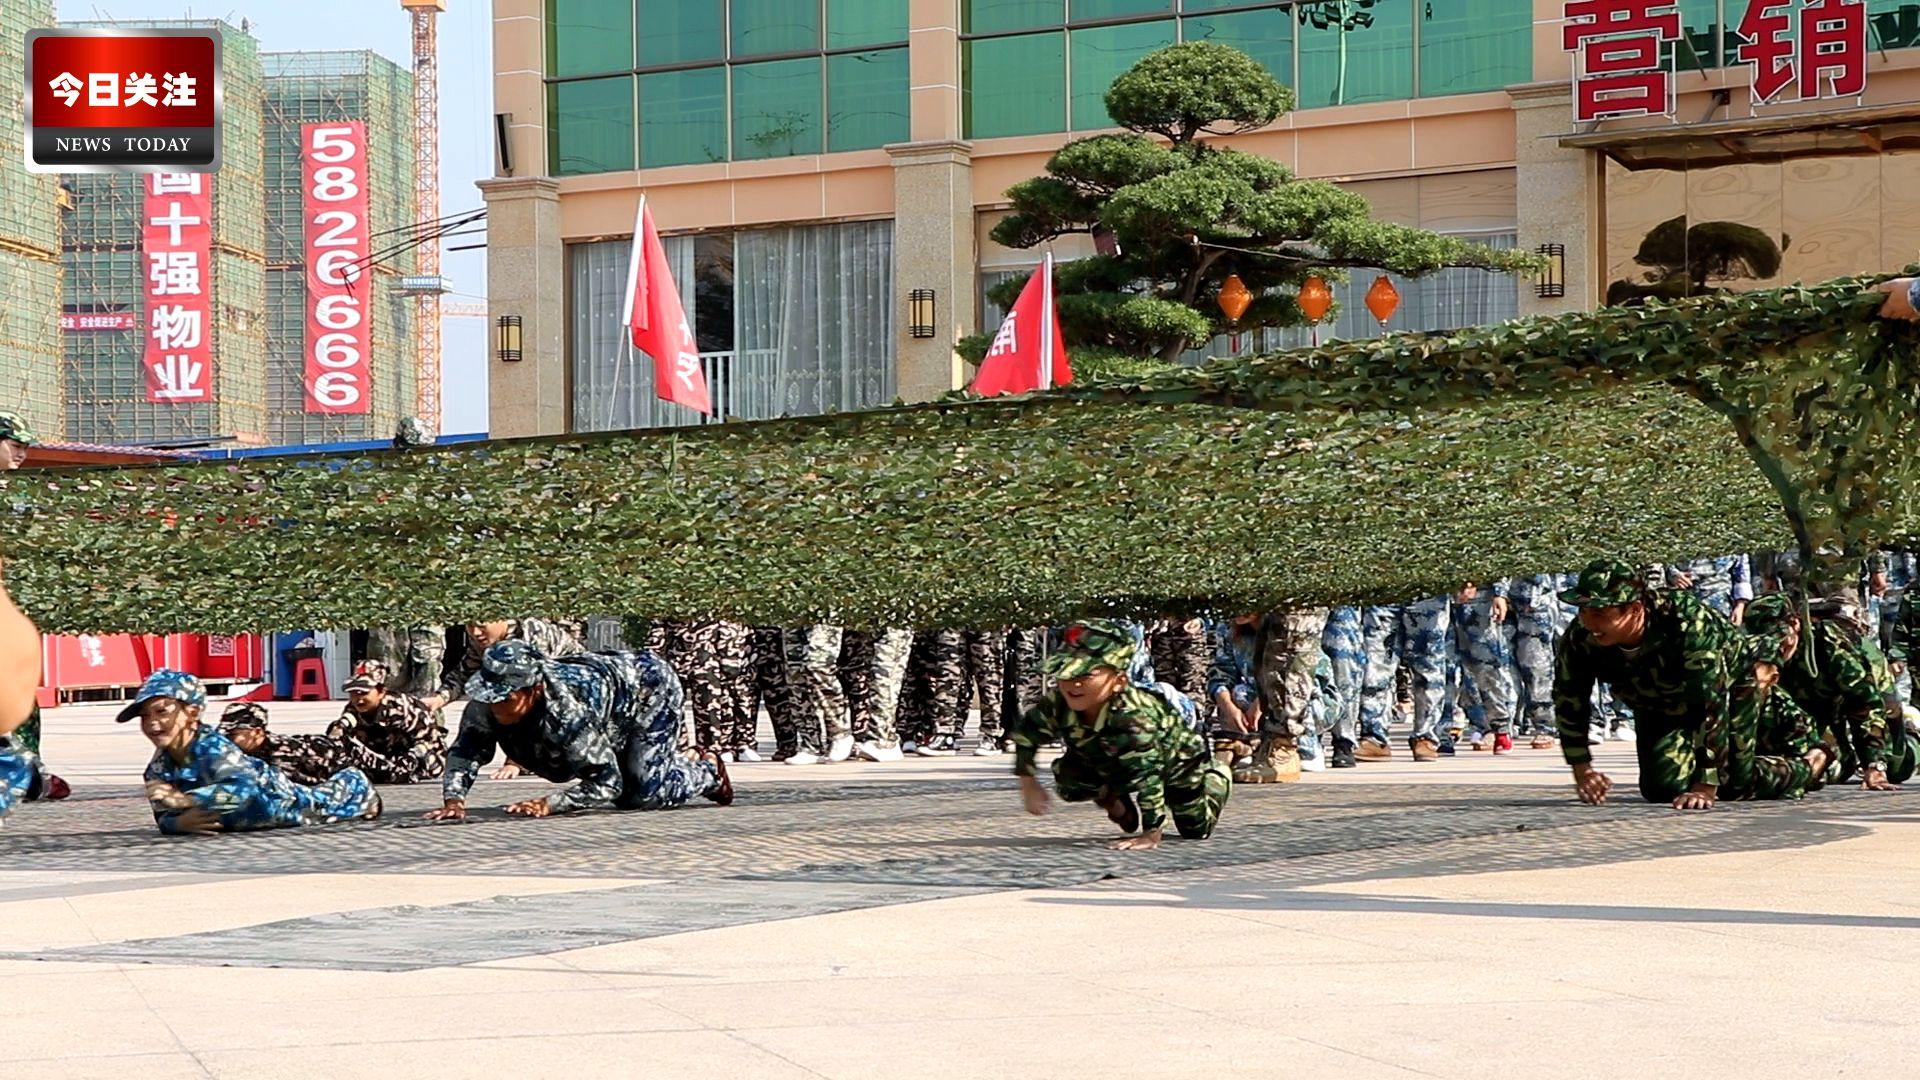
point(813, 161)
point(30, 362)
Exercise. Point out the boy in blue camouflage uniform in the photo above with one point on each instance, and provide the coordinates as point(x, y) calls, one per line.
point(609, 722)
point(1538, 621)
point(1689, 675)
point(1127, 750)
point(1486, 663)
point(1346, 657)
point(200, 782)
point(1416, 635)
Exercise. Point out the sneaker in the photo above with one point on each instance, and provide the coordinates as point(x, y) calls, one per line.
point(908, 746)
point(873, 751)
point(746, 755)
point(1446, 748)
point(1316, 763)
point(939, 746)
point(1368, 750)
point(1481, 741)
point(804, 757)
point(56, 789)
point(1343, 757)
point(722, 793)
point(1426, 750)
point(1623, 733)
point(841, 749)
point(1542, 742)
point(1502, 743)
point(988, 748)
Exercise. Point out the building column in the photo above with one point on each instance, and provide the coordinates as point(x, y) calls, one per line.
point(524, 277)
point(1560, 195)
point(932, 249)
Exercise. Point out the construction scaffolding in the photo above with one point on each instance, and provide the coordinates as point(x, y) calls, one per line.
point(318, 87)
point(30, 365)
point(105, 388)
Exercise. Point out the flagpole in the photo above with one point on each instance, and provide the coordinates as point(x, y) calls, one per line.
point(1046, 324)
point(634, 261)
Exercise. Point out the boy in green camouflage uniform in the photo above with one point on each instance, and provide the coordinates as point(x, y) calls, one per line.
point(390, 736)
point(1688, 674)
point(1841, 678)
point(305, 759)
point(1127, 750)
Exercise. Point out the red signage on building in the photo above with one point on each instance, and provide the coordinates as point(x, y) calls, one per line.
point(1618, 65)
point(1826, 57)
point(177, 260)
point(133, 100)
point(111, 320)
point(339, 294)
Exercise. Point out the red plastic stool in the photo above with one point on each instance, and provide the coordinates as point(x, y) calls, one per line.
point(309, 680)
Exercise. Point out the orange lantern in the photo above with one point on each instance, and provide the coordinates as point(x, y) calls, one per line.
point(1316, 299)
point(1235, 297)
point(1383, 299)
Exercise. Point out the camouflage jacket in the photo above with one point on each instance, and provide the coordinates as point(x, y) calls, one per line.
point(1843, 681)
point(1138, 743)
point(400, 737)
point(305, 759)
point(1721, 581)
point(1681, 676)
point(552, 641)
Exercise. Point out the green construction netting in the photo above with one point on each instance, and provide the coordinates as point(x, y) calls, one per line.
point(1377, 470)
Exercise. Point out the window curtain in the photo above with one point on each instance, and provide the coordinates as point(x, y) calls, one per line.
point(613, 381)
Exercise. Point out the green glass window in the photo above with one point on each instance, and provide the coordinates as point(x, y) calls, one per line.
point(1267, 36)
point(589, 37)
point(1191, 6)
point(1102, 54)
point(1470, 45)
point(1891, 24)
point(590, 125)
point(1352, 52)
point(681, 31)
point(1699, 44)
point(865, 22)
point(1089, 10)
point(990, 16)
point(866, 99)
point(683, 117)
point(776, 109)
point(1016, 85)
point(764, 27)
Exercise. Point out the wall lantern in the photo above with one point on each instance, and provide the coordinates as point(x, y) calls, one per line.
point(1553, 280)
point(507, 339)
point(920, 313)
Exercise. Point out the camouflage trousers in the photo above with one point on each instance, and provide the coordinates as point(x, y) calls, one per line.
point(1022, 679)
point(715, 663)
point(1195, 809)
point(948, 669)
point(1289, 650)
point(1346, 657)
point(1181, 654)
point(1486, 660)
point(769, 687)
point(1767, 740)
point(414, 656)
point(246, 804)
point(1416, 636)
point(308, 759)
point(1536, 633)
point(19, 774)
point(873, 667)
point(819, 703)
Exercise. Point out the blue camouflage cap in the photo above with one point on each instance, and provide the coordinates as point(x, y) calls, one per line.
point(504, 668)
point(167, 683)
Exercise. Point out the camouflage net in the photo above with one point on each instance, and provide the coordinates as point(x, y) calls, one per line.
point(1367, 471)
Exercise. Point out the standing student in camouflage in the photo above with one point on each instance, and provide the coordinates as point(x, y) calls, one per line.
point(1689, 675)
point(1842, 681)
point(609, 723)
point(943, 662)
point(980, 679)
point(305, 759)
point(390, 736)
point(714, 663)
point(819, 701)
point(1181, 655)
point(200, 782)
point(1538, 621)
point(1126, 751)
point(873, 664)
point(1486, 657)
point(770, 689)
point(1287, 649)
point(1725, 582)
point(1421, 630)
point(1024, 681)
point(413, 657)
point(1345, 649)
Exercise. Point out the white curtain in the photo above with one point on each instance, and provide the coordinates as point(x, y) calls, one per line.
point(612, 381)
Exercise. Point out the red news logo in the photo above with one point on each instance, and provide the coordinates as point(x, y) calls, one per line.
point(123, 100)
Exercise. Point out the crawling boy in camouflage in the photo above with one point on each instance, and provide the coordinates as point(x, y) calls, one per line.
point(1128, 750)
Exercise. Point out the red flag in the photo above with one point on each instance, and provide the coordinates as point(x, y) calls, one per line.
point(1027, 353)
point(658, 321)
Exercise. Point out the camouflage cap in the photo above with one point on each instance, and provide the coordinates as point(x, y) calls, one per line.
point(504, 668)
point(1770, 620)
point(1606, 583)
point(12, 427)
point(1093, 644)
point(243, 714)
point(369, 675)
point(165, 683)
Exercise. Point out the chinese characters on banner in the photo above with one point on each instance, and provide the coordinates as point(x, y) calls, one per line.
point(339, 290)
point(176, 253)
point(1623, 53)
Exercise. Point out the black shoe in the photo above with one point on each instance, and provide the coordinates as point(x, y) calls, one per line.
point(1342, 758)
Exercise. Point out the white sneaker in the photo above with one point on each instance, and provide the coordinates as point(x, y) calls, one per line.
point(872, 751)
point(805, 757)
point(1623, 733)
point(1316, 763)
point(748, 754)
point(987, 748)
point(841, 750)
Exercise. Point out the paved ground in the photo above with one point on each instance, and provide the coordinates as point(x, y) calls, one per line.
point(1463, 918)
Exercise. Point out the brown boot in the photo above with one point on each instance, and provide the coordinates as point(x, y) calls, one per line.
point(1275, 761)
point(1425, 750)
point(1368, 750)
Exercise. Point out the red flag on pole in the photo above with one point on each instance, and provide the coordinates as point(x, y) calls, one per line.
point(1027, 353)
point(658, 321)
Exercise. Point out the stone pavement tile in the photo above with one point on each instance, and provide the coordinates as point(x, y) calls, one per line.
point(177, 1065)
point(465, 1054)
point(301, 987)
point(37, 993)
point(81, 1030)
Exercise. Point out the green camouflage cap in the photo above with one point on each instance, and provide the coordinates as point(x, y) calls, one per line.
point(1606, 583)
point(1770, 619)
point(12, 427)
point(1095, 643)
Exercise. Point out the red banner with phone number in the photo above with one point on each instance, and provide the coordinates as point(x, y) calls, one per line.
point(339, 341)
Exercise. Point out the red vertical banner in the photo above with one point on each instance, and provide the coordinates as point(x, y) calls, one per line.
point(333, 195)
point(176, 251)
